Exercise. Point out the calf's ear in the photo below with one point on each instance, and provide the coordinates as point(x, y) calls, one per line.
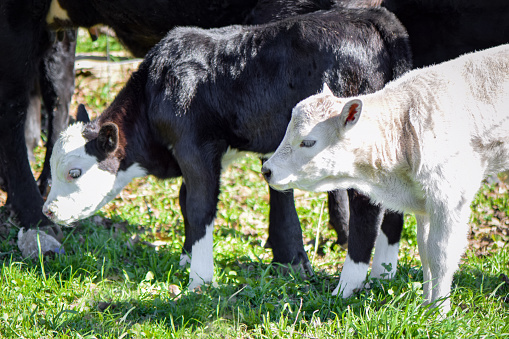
point(107, 139)
point(82, 114)
point(350, 114)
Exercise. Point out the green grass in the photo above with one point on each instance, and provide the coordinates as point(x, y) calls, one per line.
point(104, 42)
point(120, 278)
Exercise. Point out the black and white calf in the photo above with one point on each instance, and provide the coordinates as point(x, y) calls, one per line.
point(423, 144)
point(202, 95)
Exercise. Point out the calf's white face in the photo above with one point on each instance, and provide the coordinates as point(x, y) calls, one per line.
point(314, 151)
point(79, 186)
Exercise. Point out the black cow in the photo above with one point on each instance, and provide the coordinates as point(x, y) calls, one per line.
point(24, 38)
point(440, 30)
point(201, 94)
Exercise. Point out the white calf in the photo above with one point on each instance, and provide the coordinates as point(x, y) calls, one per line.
point(423, 144)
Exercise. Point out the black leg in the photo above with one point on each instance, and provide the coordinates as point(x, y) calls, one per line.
point(186, 250)
point(285, 233)
point(392, 226)
point(365, 220)
point(22, 193)
point(199, 193)
point(339, 215)
point(385, 260)
point(26, 39)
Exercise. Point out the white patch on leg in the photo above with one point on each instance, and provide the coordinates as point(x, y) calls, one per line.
point(202, 260)
point(385, 256)
point(352, 278)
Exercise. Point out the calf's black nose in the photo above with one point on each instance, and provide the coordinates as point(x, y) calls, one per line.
point(266, 173)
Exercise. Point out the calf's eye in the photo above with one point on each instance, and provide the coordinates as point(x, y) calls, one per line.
point(74, 173)
point(307, 143)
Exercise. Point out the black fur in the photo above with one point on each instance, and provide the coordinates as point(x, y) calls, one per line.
point(441, 30)
point(24, 39)
point(82, 115)
point(56, 80)
point(365, 222)
point(273, 10)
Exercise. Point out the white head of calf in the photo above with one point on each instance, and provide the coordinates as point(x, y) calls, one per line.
point(85, 173)
point(315, 149)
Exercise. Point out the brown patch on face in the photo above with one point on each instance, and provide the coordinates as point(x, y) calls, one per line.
point(108, 160)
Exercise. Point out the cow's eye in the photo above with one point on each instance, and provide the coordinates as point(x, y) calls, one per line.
point(307, 143)
point(74, 173)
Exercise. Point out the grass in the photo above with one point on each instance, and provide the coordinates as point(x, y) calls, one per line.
point(119, 276)
point(103, 43)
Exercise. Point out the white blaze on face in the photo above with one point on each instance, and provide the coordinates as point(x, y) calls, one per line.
point(56, 12)
point(72, 199)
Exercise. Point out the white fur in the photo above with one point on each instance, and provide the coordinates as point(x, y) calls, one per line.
point(353, 275)
point(56, 12)
point(385, 256)
point(352, 278)
point(423, 144)
point(202, 260)
point(73, 199)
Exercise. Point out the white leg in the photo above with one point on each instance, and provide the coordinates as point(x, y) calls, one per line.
point(446, 243)
point(202, 261)
point(422, 243)
point(352, 278)
point(386, 256)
